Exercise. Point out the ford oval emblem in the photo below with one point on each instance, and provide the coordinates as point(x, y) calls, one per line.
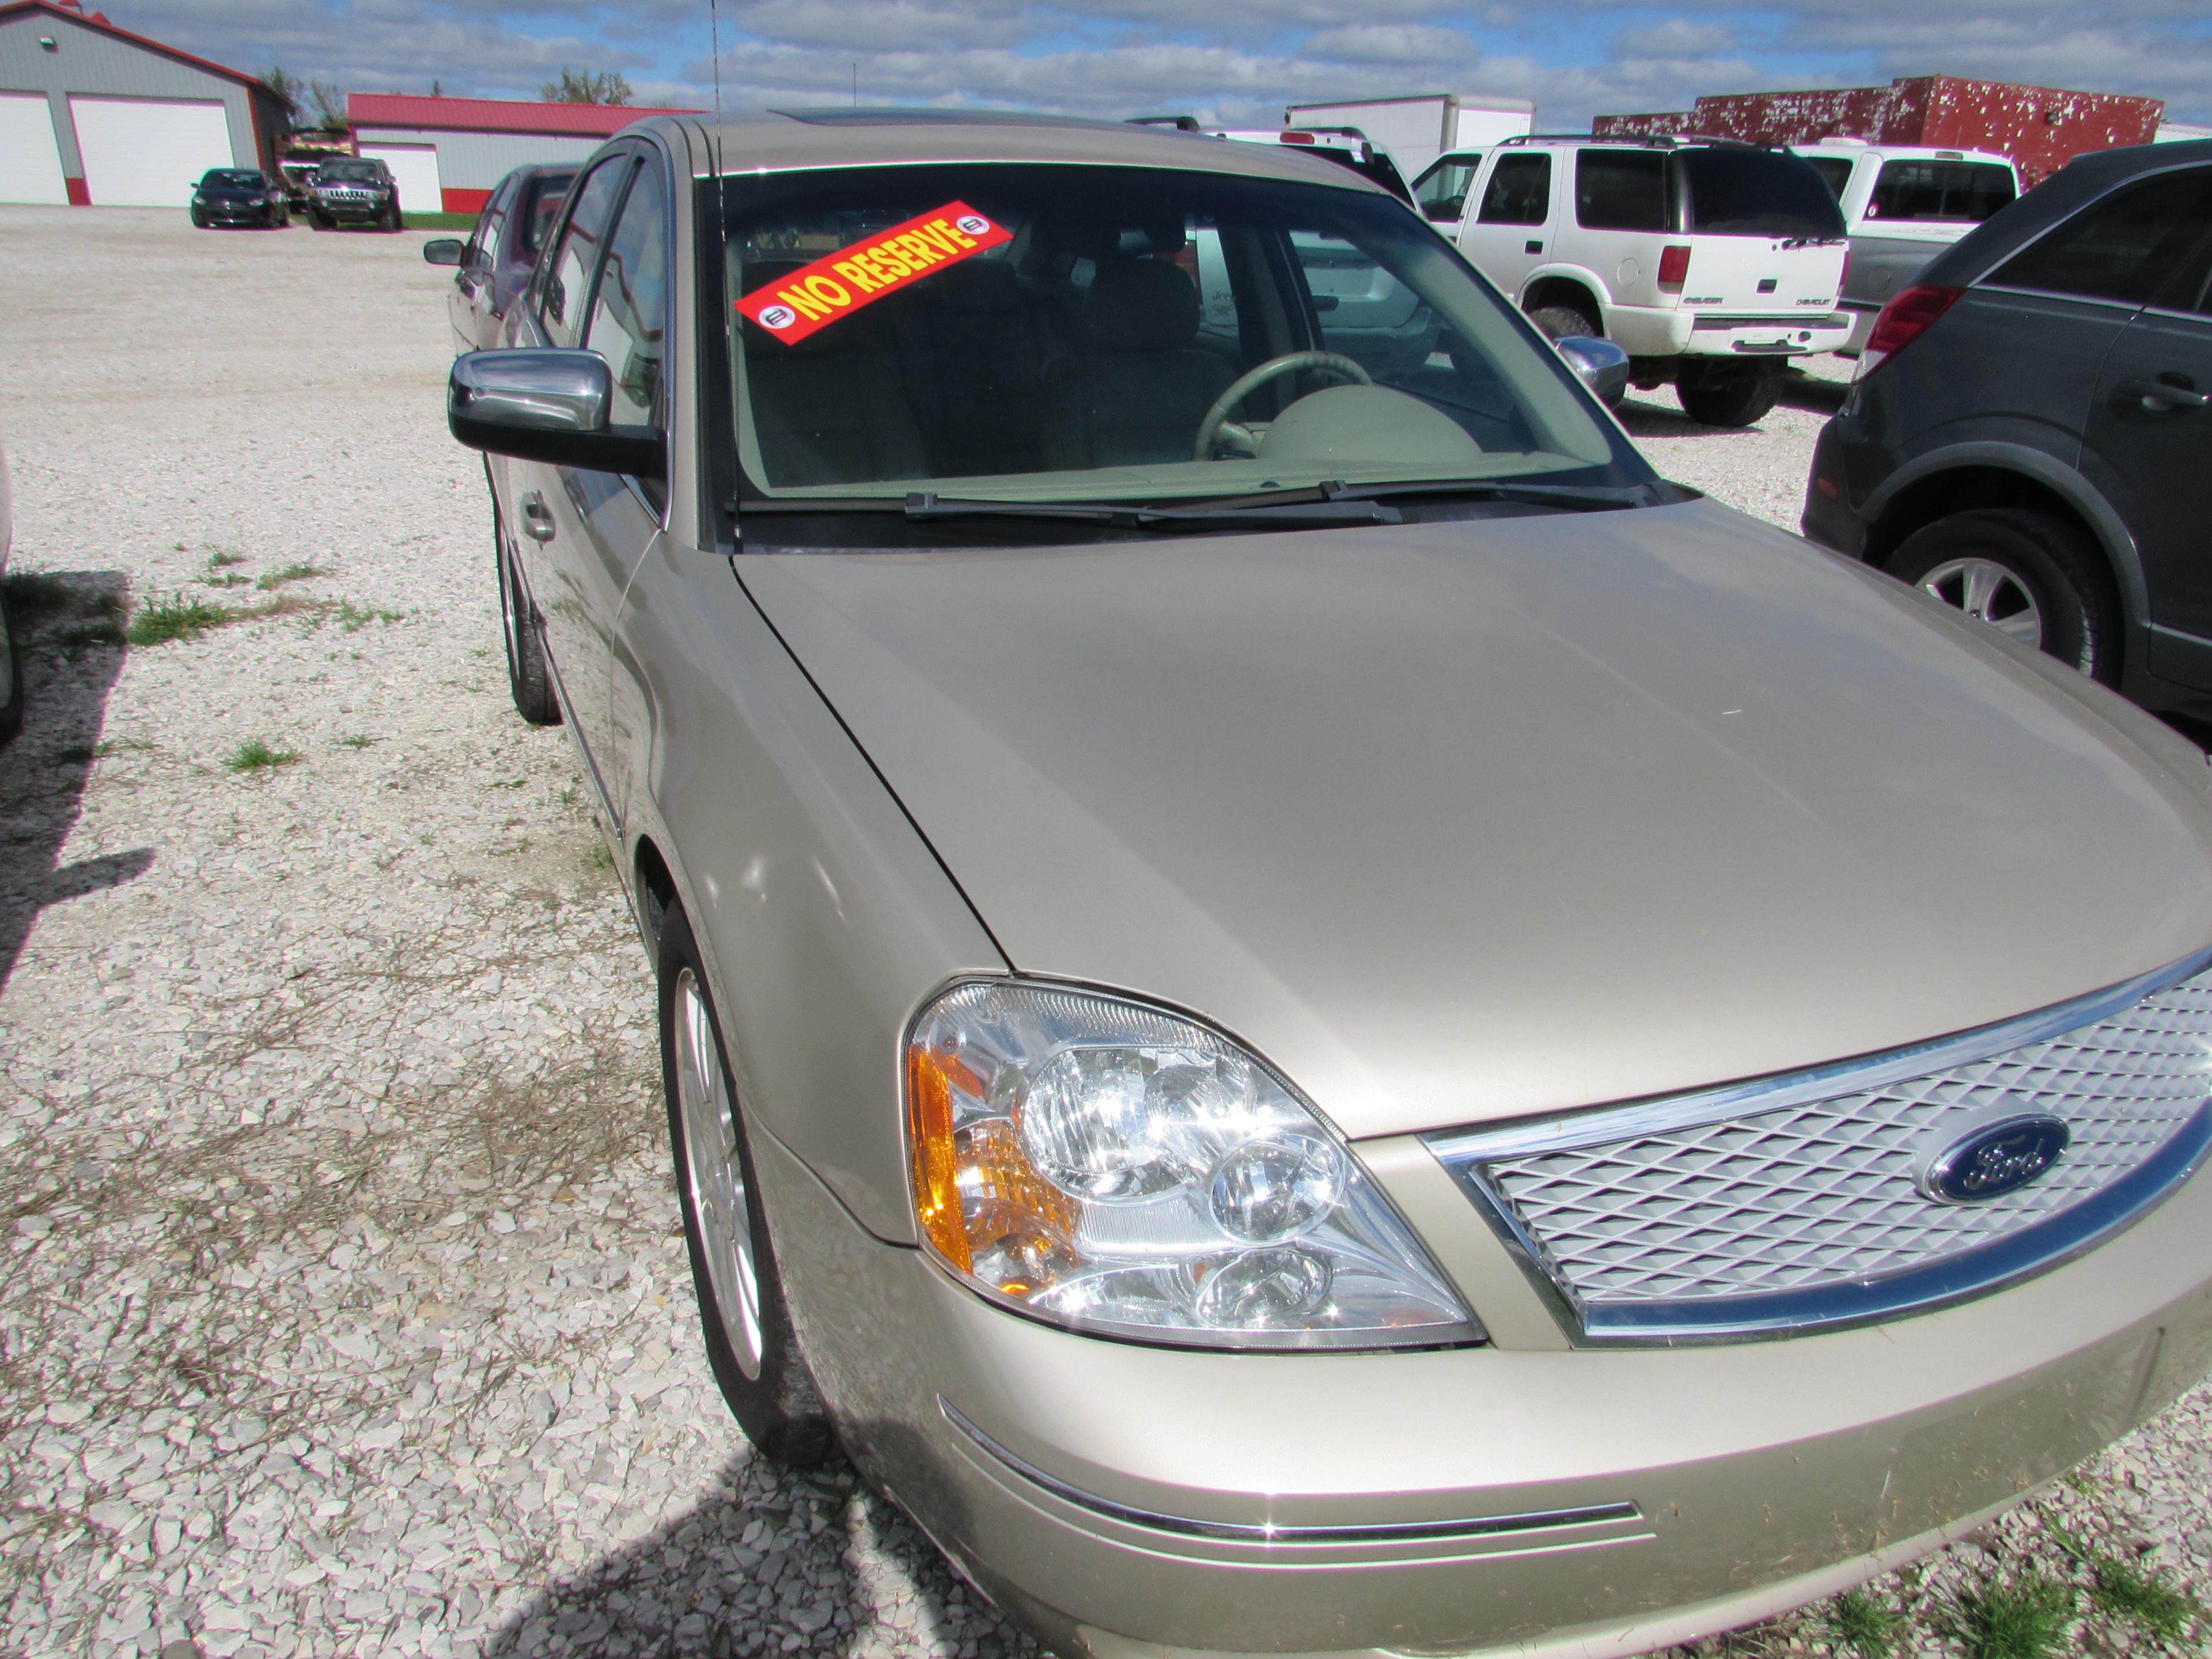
point(1995, 1159)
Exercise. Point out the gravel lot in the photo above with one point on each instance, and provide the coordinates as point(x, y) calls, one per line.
point(344, 1309)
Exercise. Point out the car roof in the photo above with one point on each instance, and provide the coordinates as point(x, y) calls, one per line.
point(777, 140)
point(1851, 147)
point(2080, 182)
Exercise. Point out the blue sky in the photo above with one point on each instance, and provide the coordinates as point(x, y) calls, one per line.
point(1238, 65)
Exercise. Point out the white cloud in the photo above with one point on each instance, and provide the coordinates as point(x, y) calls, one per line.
point(1677, 40)
point(1415, 44)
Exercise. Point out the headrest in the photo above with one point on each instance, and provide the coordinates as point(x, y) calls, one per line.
point(1141, 304)
point(975, 288)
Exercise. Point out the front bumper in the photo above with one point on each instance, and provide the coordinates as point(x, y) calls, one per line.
point(1123, 1500)
point(351, 209)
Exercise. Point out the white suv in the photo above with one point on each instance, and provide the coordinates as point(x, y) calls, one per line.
point(1903, 205)
point(1711, 263)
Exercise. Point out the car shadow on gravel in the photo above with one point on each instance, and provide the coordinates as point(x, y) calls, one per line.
point(1654, 413)
point(777, 1561)
point(68, 628)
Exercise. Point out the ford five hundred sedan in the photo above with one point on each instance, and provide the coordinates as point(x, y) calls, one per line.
point(1313, 1014)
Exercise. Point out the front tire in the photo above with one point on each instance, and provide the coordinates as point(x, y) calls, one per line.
point(1728, 397)
point(527, 677)
point(750, 1344)
point(2030, 575)
point(389, 219)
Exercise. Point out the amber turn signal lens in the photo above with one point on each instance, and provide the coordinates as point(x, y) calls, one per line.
point(936, 1161)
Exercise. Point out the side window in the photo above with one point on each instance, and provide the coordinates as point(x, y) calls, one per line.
point(630, 312)
point(484, 241)
point(1519, 192)
point(562, 302)
point(1964, 193)
point(1835, 172)
point(541, 206)
point(2124, 247)
point(1620, 190)
point(1442, 194)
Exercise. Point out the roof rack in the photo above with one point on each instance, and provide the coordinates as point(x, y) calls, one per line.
point(1647, 140)
point(1180, 123)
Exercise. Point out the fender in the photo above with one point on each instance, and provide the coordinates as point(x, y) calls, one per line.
point(1583, 275)
point(2111, 533)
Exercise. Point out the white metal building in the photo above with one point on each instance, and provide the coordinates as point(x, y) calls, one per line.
point(96, 116)
point(447, 153)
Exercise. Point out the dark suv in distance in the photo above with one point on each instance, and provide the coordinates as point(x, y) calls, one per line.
point(2030, 437)
point(354, 190)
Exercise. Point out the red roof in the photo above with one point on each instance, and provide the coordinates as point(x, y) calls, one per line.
point(394, 109)
point(99, 20)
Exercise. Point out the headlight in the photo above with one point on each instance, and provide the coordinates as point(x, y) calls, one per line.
point(1117, 1169)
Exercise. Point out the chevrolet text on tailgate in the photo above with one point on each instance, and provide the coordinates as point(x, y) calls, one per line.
point(1311, 1012)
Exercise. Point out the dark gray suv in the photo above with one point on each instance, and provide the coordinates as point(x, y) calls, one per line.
point(2030, 437)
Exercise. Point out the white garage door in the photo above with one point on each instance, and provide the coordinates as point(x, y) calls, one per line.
point(142, 152)
point(415, 170)
point(30, 165)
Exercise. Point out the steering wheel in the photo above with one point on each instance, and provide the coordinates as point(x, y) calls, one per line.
point(1218, 416)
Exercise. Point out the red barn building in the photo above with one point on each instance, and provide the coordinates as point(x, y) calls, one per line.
point(2040, 128)
point(446, 153)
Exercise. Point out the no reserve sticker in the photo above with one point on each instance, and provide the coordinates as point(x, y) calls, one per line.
point(840, 283)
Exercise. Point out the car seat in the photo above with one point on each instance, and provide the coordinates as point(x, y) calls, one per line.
point(831, 408)
point(1132, 391)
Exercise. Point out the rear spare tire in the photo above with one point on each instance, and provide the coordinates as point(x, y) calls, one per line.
point(1727, 395)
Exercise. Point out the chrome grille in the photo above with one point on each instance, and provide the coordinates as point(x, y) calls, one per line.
point(1798, 1199)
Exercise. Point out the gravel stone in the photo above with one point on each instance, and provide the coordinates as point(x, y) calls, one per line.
point(344, 1309)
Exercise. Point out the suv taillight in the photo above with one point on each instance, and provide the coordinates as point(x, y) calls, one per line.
point(1907, 317)
point(1674, 268)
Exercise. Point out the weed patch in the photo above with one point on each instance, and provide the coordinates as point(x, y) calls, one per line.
point(353, 618)
point(176, 618)
point(358, 740)
point(2027, 1618)
point(33, 596)
point(255, 755)
point(219, 558)
point(1865, 1624)
point(2124, 1591)
point(299, 570)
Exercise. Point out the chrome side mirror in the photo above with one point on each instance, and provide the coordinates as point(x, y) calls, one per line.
point(1602, 365)
point(442, 251)
point(544, 404)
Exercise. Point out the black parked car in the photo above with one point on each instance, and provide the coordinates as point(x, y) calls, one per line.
point(499, 255)
point(2030, 437)
point(239, 195)
point(354, 190)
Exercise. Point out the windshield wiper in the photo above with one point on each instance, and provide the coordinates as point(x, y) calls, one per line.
point(1290, 515)
point(1580, 498)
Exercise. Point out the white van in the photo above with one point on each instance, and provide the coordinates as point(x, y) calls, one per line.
point(1711, 263)
point(1904, 205)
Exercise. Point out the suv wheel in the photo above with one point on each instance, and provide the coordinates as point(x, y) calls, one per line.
point(750, 1343)
point(389, 219)
point(526, 675)
point(2031, 576)
point(1559, 321)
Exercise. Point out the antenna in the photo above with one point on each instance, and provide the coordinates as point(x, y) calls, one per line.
point(856, 83)
point(714, 33)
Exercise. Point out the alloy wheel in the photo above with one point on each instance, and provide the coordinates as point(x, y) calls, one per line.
point(717, 1175)
point(1989, 592)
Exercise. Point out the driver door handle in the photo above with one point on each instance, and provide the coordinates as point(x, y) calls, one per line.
point(2169, 392)
point(537, 521)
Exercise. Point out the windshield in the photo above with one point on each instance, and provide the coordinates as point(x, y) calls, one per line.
point(351, 173)
point(230, 178)
point(1754, 193)
point(1041, 333)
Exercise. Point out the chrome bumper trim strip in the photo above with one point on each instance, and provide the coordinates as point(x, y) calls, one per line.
point(1250, 1533)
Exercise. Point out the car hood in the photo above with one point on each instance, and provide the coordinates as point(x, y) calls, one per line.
point(1456, 821)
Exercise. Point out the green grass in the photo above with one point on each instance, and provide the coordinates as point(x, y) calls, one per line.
point(177, 618)
point(357, 741)
point(231, 580)
point(2124, 1590)
point(2026, 1620)
point(219, 558)
point(1864, 1624)
point(256, 755)
point(438, 221)
point(33, 596)
point(299, 570)
point(353, 618)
